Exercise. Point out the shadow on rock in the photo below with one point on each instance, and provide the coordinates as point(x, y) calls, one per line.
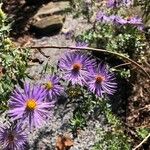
point(35, 18)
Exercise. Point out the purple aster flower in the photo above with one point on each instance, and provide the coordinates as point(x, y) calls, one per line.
point(13, 138)
point(117, 3)
point(112, 3)
point(102, 17)
point(53, 86)
point(117, 20)
point(75, 67)
point(134, 20)
point(140, 27)
point(29, 106)
point(120, 20)
point(102, 81)
point(127, 2)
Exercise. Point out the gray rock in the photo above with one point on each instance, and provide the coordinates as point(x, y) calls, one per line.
point(49, 18)
point(45, 137)
point(48, 25)
point(52, 8)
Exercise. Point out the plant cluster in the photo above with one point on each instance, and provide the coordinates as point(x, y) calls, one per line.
point(33, 104)
point(117, 29)
point(114, 138)
point(84, 78)
point(13, 62)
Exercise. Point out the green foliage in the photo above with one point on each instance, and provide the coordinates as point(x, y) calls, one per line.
point(86, 106)
point(112, 141)
point(80, 116)
point(91, 106)
point(13, 62)
point(126, 40)
point(77, 122)
point(123, 72)
point(82, 7)
point(143, 132)
point(114, 138)
point(112, 119)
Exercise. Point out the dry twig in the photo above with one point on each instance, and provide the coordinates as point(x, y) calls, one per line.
point(98, 50)
point(138, 146)
point(121, 65)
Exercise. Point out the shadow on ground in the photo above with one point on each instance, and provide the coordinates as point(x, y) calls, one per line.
point(20, 13)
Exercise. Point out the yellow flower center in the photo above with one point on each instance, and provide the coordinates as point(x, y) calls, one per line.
point(31, 104)
point(99, 79)
point(49, 85)
point(77, 66)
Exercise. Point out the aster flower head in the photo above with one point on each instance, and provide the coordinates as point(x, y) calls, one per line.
point(102, 17)
point(118, 3)
point(117, 20)
point(134, 20)
point(28, 105)
point(53, 86)
point(13, 138)
point(102, 81)
point(75, 67)
point(112, 3)
point(140, 27)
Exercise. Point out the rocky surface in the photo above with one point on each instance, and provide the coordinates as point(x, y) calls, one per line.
point(49, 18)
point(52, 8)
point(77, 25)
point(45, 137)
point(48, 25)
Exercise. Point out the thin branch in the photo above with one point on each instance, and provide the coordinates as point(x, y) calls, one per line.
point(143, 126)
point(145, 107)
point(98, 50)
point(121, 65)
point(146, 62)
point(39, 49)
point(138, 146)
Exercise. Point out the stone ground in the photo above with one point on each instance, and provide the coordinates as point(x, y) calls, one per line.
point(45, 137)
point(53, 55)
